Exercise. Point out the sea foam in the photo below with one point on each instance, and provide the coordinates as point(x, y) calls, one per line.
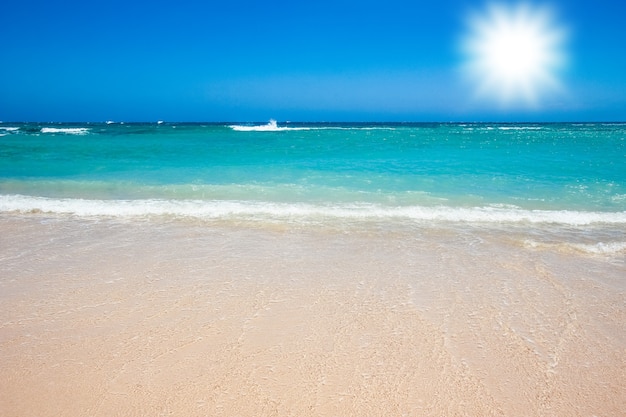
point(66, 130)
point(303, 212)
point(598, 248)
point(272, 126)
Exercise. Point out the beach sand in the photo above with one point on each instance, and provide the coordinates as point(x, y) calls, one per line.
point(164, 317)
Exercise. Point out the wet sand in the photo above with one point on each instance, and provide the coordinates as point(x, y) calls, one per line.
point(105, 318)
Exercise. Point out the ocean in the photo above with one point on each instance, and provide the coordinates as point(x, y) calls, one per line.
point(557, 176)
point(313, 269)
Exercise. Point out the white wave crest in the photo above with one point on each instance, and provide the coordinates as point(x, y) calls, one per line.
point(66, 130)
point(9, 129)
point(273, 211)
point(271, 126)
point(519, 128)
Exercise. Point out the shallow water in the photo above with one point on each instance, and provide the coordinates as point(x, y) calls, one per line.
point(109, 316)
point(570, 167)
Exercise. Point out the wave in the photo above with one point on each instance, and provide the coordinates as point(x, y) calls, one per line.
point(520, 128)
point(599, 248)
point(66, 130)
point(5, 130)
point(272, 126)
point(489, 128)
point(303, 212)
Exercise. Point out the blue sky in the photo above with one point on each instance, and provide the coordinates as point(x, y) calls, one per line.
point(328, 60)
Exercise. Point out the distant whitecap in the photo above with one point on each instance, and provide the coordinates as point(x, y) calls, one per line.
point(271, 126)
point(66, 130)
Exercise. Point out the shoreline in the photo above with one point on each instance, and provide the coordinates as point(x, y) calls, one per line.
point(104, 318)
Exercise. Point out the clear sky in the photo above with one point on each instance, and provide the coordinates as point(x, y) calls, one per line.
point(323, 60)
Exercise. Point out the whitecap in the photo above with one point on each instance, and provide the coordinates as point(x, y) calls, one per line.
point(66, 130)
point(271, 126)
point(519, 128)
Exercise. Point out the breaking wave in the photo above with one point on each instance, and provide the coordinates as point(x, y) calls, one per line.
point(271, 126)
point(303, 212)
point(66, 130)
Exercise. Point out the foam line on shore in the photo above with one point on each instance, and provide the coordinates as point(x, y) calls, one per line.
point(304, 212)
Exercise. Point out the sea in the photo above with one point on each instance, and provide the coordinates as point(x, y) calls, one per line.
point(313, 268)
point(555, 183)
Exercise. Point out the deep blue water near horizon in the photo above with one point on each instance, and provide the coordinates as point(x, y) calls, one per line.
point(566, 173)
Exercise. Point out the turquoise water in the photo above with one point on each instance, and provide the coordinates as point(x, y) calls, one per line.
point(553, 173)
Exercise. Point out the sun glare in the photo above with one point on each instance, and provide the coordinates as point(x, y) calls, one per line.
point(513, 54)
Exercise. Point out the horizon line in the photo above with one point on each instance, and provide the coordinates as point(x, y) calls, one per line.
point(109, 122)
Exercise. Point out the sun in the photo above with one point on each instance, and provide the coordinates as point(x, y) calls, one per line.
point(514, 54)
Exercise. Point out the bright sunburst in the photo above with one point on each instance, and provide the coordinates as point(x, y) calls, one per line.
point(514, 54)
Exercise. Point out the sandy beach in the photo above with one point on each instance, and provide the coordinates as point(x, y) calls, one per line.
point(164, 317)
